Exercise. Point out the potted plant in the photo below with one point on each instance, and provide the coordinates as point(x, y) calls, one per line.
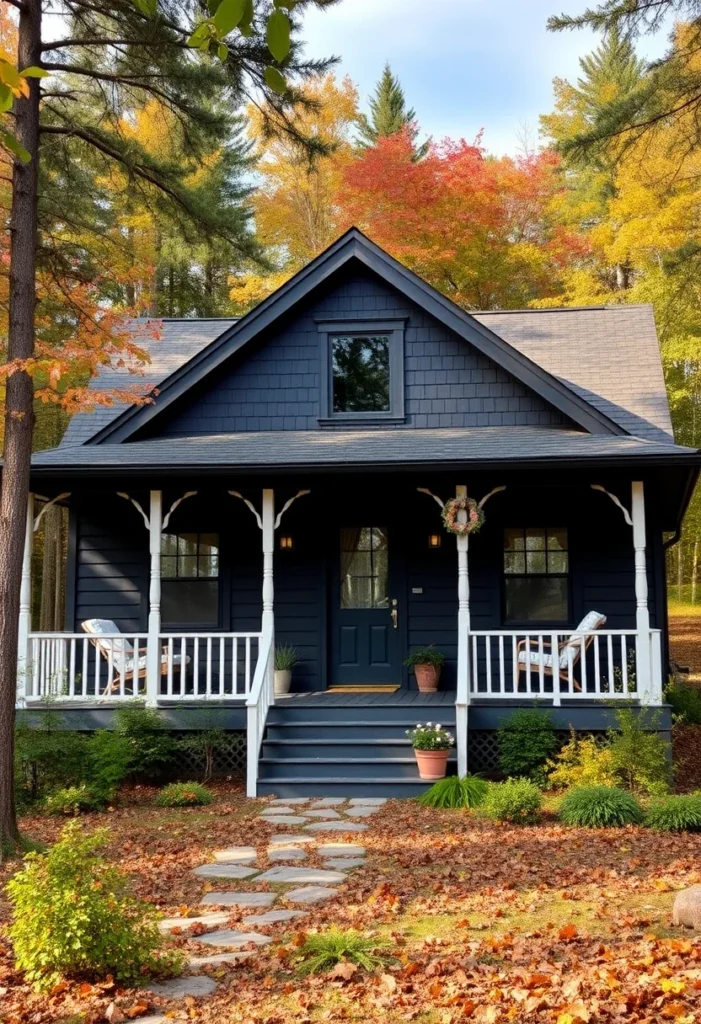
point(286, 657)
point(427, 663)
point(431, 745)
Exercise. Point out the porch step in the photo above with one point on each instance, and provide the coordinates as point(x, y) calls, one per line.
point(345, 751)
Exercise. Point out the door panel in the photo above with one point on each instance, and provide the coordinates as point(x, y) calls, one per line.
point(365, 645)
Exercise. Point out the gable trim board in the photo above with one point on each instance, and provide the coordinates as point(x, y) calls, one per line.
point(355, 246)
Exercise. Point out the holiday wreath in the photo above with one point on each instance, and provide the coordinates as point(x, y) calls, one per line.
point(475, 516)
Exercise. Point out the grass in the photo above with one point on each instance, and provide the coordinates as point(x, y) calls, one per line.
point(324, 951)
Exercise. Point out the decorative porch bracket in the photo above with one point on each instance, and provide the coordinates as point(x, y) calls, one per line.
point(462, 699)
point(648, 655)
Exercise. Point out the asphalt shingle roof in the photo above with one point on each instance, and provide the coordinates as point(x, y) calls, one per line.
point(328, 448)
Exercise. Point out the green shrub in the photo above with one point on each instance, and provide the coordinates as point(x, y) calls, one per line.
point(526, 740)
point(151, 748)
point(516, 800)
point(639, 754)
point(184, 794)
point(323, 951)
point(429, 655)
point(47, 758)
point(469, 791)
point(582, 762)
point(73, 800)
point(75, 917)
point(685, 701)
point(675, 814)
point(202, 747)
point(109, 756)
point(600, 807)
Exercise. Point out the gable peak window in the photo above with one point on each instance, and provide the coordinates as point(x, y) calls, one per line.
point(190, 579)
point(536, 574)
point(362, 371)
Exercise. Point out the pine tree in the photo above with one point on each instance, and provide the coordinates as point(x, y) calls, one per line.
point(388, 115)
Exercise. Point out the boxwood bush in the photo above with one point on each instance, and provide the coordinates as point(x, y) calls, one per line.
point(184, 794)
point(516, 800)
point(676, 814)
point(526, 741)
point(600, 807)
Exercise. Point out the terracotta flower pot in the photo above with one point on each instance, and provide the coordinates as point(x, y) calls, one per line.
point(283, 679)
point(427, 677)
point(432, 763)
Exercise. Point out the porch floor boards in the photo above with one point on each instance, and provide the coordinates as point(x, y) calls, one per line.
point(401, 697)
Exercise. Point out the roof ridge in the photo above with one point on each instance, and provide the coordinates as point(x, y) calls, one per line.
point(562, 309)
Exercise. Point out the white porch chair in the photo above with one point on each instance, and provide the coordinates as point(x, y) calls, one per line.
point(569, 650)
point(120, 654)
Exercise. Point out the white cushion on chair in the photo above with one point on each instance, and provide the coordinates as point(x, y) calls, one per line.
point(590, 622)
point(120, 649)
point(571, 647)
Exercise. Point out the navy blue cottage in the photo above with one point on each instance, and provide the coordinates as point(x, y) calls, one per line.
point(286, 486)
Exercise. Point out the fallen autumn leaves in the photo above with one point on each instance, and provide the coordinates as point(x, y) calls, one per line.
point(489, 923)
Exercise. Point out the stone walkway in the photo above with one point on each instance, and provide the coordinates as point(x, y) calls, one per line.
point(287, 853)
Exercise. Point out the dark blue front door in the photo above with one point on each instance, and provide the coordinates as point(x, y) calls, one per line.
point(365, 647)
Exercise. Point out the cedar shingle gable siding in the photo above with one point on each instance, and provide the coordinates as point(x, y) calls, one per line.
point(277, 386)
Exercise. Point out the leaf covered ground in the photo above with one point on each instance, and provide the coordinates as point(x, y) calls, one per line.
point(487, 923)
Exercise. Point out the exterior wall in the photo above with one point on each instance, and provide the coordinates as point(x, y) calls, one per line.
point(111, 568)
point(277, 384)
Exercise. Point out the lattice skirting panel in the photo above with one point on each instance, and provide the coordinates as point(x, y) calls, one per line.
point(229, 756)
point(483, 746)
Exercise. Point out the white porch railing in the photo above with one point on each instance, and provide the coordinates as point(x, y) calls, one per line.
point(113, 666)
point(257, 706)
point(599, 665)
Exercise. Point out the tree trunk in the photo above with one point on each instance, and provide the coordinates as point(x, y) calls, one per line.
point(19, 414)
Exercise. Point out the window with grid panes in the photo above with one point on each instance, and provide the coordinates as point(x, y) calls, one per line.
point(190, 579)
point(536, 574)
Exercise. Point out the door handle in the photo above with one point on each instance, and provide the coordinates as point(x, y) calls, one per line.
point(395, 614)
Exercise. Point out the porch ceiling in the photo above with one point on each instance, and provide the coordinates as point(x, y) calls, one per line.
point(400, 449)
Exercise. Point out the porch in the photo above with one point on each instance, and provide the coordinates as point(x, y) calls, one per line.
point(416, 587)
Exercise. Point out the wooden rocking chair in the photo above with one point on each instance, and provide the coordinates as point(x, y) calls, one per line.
point(119, 653)
point(532, 659)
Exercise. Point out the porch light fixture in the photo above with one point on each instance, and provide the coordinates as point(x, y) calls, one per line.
point(286, 543)
point(434, 540)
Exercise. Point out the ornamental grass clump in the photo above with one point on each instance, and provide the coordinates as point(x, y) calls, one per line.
point(517, 801)
point(184, 794)
point(324, 951)
point(75, 917)
point(600, 807)
point(430, 737)
point(675, 814)
point(455, 792)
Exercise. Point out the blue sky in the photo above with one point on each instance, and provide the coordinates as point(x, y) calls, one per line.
point(464, 64)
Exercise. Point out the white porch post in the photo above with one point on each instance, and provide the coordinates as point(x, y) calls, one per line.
point(463, 692)
point(153, 644)
point(25, 605)
point(649, 689)
point(268, 532)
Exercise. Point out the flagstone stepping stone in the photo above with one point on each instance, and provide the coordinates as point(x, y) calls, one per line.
point(229, 937)
point(273, 917)
point(341, 850)
point(376, 801)
point(185, 922)
point(280, 810)
point(217, 958)
point(291, 800)
point(362, 811)
point(283, 819)
point(336, 826)
point(286, 853)
point(296, 875)
point(178, 988)
point(344, 862)
point(238, 899)
point(310, 894)
point(290, 840)
point(329, 801)
point(224, 871)
point(321, 813)
point(236, 855)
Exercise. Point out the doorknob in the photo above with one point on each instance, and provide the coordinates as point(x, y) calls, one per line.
point(395, 614)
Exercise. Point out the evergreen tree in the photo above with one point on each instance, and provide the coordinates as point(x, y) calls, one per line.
point(388, 115)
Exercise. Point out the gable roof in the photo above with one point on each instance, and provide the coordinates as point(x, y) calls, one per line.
point(355, 246)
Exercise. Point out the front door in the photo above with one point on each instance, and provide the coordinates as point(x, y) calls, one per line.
point(365, 647)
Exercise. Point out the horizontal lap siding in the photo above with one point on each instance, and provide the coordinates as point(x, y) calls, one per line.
point(275, 385)
point(111, 571)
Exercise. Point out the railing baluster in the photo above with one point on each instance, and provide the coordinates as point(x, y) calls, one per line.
point(247, 678)
point(209, 666)
point(541, 665)
point(583, 662)
point(529, 667)
point(222, 651)
point(611, 689)
point(235, 668)
point(475, 678)
point(624, 663)
point(488, 656)
point(597, 668)
point(169, 671)
point(196, 666)
point(183, 666)
point(555, 651)
point(502, 666)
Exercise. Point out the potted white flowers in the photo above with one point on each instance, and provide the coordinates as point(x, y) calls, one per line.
point(431, 745)
point(286, 657)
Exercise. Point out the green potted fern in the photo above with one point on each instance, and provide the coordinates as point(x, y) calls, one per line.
point(427, 663)
point(286, 657)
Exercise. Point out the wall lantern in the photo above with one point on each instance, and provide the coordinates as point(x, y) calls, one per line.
point(286, 543)
point(434, 540)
